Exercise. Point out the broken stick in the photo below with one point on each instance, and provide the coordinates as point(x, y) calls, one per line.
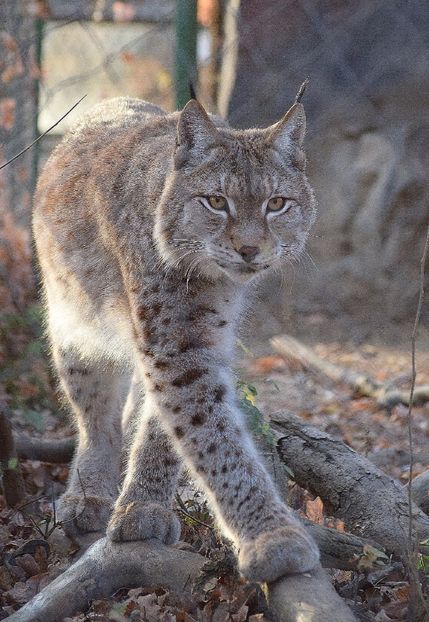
point(291, 348)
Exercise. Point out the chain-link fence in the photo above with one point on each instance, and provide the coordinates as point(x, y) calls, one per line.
point(97, 49)
point(368, 126)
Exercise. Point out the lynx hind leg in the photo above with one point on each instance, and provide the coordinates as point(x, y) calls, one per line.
point(94, 392)
point(143, 508)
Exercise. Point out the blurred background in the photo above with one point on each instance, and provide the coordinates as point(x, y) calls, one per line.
point(353, 297)
point(367, 143)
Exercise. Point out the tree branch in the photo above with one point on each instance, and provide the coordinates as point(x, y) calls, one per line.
point(42, 135)
point(340, 550)
point(371, 503)
point(45, 450)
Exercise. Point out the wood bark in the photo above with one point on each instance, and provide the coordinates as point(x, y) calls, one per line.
point(344, 551)
point(314, 603)
point(372, 504)
point(364, 385)
point(107, 567)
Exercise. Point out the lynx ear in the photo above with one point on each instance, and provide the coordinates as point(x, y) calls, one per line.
point(289, 132)
point(195, 134)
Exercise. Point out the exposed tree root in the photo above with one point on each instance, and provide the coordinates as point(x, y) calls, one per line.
point(307, 598)
point(372, 504)
point(341, 550)
point(107, 567)
point(291, 348)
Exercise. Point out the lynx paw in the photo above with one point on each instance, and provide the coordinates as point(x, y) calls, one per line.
point(141, 521)
point(285, 550)
point(83, 514)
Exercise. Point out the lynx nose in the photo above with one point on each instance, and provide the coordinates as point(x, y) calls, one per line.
point(248, 252)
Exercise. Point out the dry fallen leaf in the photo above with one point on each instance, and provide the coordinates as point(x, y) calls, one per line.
point(267, 364)
point(314, 511)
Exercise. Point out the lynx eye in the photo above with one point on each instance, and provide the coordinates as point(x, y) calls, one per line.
point(275, 204)
point(217, 202)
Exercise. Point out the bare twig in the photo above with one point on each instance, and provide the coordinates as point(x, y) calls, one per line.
point(387, 397)
point(42, 135)
point(36, 527)
point(182, 508)
point(22, 506)
point(418, 606)
point(413, 382)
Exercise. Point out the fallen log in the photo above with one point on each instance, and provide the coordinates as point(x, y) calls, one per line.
point(386, 396)
point(107, 567)
point(46, 450)
point(371, 504)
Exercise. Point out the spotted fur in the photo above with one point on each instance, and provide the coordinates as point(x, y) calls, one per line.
point(144, 284)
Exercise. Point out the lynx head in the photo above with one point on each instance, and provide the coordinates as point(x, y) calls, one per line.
point(237, 202)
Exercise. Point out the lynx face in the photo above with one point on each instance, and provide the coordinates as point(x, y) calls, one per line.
point(238, 202)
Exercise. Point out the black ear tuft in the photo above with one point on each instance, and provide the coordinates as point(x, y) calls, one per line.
point(192, 93)
point(301, 91)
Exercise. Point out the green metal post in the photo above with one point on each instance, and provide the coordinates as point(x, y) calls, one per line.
point(186, 49)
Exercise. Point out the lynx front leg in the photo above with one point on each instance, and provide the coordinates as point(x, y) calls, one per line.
point(143, 509)
point(208, 431)
point(184, 338)
point(94, 393)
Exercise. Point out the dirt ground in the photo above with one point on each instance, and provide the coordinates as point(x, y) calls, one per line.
point(284, 386)
point(280, 385)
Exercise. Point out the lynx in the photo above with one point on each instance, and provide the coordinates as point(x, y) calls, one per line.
point(151, 231)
